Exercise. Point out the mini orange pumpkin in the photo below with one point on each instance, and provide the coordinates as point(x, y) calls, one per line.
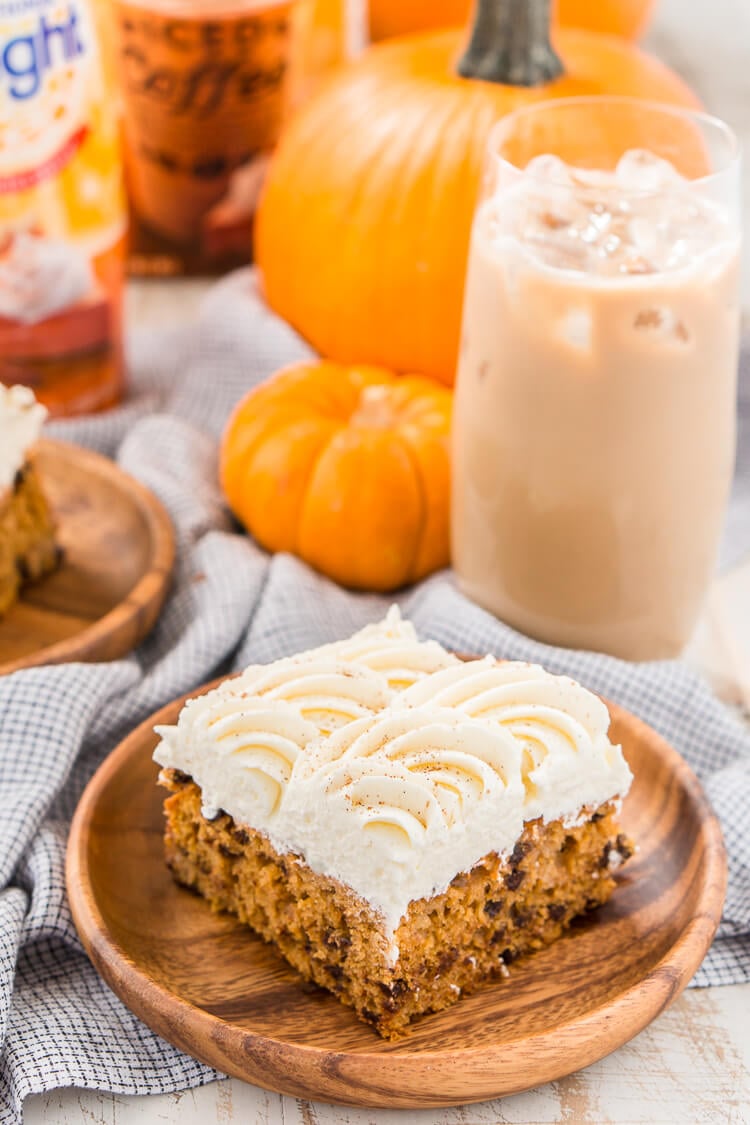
point(388, 18)
point(363, 228)
point(346, 467)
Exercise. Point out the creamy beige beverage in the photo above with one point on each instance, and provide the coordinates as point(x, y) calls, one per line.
point(594, 425)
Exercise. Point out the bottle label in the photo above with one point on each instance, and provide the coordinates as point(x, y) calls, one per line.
point(46, 55)
point(62, 208)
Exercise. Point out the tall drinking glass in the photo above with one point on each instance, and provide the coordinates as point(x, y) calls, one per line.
point(594, 426)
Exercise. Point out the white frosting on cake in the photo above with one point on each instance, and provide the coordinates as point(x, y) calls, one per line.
point(328, 692)
point(394, 793)
point(567, 758)
point(392, 648)
point(240, 751)
point(21, 418)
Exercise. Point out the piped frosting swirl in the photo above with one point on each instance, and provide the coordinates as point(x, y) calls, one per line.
point(330, 693)
point(394, 792)
point(415, 768)
point(240, 751)
point(392, 648)
point(560, 727)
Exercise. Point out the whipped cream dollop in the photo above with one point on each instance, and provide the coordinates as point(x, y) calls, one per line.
point(395, 792)
point(40, 277)
point(21, 419)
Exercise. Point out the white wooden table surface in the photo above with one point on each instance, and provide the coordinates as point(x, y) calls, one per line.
point(692, 1065)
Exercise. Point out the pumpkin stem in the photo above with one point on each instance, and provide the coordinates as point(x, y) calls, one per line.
point(510, 43)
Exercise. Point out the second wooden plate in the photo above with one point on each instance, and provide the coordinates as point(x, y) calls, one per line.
point(214, 989)
point(118, 549)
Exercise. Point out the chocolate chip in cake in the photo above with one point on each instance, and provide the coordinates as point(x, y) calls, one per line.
point(514, 879)
point(19, 478)
point(521, 918)
point(508, 956)
point(241, 836)
point(446, 959)
point(334, 940)
point(392, 992)
point(334, 971)
point(521, 849)
point(597, 817)
point(493, 907)
point(615, 854)
point(557, 911)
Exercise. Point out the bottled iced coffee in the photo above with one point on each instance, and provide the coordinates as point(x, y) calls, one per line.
point(594, 427)
point(206, 86)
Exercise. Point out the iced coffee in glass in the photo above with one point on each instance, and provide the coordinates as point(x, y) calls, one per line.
point(594, 427)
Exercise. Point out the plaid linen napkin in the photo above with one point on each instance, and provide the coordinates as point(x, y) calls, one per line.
point(231, 605)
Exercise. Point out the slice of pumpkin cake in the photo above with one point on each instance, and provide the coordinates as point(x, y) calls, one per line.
point(400, 846)
point(27, 533)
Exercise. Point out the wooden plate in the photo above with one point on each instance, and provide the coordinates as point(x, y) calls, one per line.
point(119, 550)
point(212, 988)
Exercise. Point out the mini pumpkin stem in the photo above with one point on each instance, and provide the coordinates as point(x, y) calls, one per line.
point(510, 43)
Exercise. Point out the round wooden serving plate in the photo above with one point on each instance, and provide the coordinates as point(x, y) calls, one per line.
point(118, 549)
point(211, 987)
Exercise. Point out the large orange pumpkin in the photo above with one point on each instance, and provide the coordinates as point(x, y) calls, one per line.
point(388, 18)
point(363, 228)
point(347, 467)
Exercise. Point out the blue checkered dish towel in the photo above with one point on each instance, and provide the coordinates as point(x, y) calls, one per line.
point(231, 605)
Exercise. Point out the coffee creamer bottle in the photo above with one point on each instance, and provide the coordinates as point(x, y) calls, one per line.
point(62, 208)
